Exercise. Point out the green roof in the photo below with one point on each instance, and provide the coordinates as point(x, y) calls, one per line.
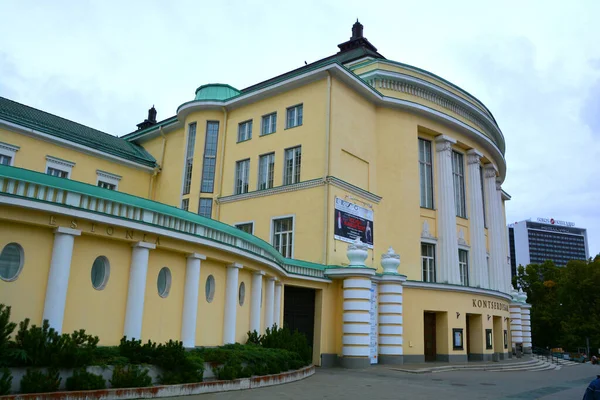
point(216, 91)
point(41, 121)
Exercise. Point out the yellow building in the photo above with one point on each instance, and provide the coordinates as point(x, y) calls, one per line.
point(278, 203)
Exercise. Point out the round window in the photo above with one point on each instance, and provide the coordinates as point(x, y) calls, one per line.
point(210, 288)
point(100, 272)
point(11, 261)
point(163, 282)
point(242, 293)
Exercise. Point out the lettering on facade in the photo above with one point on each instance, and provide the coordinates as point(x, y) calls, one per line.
point(490, 305)
point(130, 234)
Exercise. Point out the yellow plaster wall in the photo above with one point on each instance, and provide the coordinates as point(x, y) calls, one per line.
point(242, 325)
point(209, 328)
point(32, 155)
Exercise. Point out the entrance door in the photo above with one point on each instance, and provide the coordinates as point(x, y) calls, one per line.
point(299, 311)
point(429, 336)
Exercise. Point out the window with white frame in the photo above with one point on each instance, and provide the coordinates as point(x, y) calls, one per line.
point(210, 157)
point(269, 124)
point(425, 173)
point(107, 180)
point(283, 235)
point(57, 167)
point(247, 227)
point(294, 116)
point(458, 172)
point(245, 131)
point(185, 204)
point(7, 154)
point(205, 208)
point(242, 172)
point(428, 262)
point(292, 163)
point(463, 266)
point(266, 166)
point(189, 158)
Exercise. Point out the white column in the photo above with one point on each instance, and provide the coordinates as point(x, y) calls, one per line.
point(190, 300)
point(516, 329)
point(526, 326)
point(58, 277)
point(494, 227)
point(277, 308)
point(356, 318)
point(478, 270)
point(231, 297)
point(390, 320)
point(505, 275)
point(136, 292)
point(257, 278)
point(447, 271)
point(269, 300)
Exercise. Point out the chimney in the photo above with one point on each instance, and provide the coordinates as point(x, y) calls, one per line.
point(151, 120)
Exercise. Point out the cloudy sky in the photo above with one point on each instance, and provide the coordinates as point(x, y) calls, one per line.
point(535, 64)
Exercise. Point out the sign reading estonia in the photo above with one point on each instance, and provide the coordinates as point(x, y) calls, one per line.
point(553, 221)
point(351, 221)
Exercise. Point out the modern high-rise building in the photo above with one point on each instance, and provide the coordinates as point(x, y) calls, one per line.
point(542, 239)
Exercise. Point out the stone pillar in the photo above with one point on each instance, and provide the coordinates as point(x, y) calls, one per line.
point(495, 227)
point(447, 266)
point(231, 298)
point(478, 270)
point(277, 305)
point(190, 300)
point(503, 264)
point(136, 292)
point(269, 302)
point(257, 278)
point(390, 310)
point(516, 329)
point(58, 277)
point(525, 322)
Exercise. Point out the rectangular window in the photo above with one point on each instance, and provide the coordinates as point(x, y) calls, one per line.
point(463, 267)
point(5, 160)
point(242, 172)
point(57, 172)
point(294, 116)
point(106, 185)
point(428, 262)
point(210, 157)
point(293, 160)
point(266, 165)
point(426, 173)
point(245, 131)
point(205, 208)
point(483, 197)
point(458, 171)
point(189, 158)
point(185, 204)
point(488, 339)
point(269, 124)
point(283, 235)
point(247, 227)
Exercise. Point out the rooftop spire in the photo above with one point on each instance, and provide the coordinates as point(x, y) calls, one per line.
point(358, 41)
point(357, 30)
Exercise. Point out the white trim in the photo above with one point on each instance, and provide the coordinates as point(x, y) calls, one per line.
point(115, 221)
point(293, 217)
point(235, 224)
point(59, 164)
point(108, 178)
point(9, 150)
point(429, 240)
point(69, 144)
point(456, 288)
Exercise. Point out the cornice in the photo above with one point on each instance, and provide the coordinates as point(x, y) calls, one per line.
point(108, 175)
point(457, 288)
point(60, 161)
point(9, 147)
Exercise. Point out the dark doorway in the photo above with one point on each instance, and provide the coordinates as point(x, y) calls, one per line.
point(468, 336)
point(299, 310)
point(429, 336)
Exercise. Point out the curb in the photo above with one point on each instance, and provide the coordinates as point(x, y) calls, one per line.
point(172, 390)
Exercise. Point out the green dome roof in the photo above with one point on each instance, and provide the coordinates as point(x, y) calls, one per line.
point(216, 91)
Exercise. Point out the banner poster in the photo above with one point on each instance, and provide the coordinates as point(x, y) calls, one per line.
point(352, 220)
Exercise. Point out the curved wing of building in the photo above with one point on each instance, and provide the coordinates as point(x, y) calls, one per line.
point(277, 203)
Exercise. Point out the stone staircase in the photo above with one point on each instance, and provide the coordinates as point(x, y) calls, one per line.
point(531, 364)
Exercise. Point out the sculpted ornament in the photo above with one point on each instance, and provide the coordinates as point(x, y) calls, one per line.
point(390, 261)
point(357, 252)
point(490, 171)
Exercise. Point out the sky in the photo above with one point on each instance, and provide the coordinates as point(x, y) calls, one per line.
point(535, 64)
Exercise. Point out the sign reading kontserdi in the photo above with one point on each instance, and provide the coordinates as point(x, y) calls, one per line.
point(352, 220)
point(553, 221)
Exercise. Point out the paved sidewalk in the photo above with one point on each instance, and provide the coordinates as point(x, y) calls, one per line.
point(380, 382)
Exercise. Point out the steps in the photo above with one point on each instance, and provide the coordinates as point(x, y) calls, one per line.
point(532, 364)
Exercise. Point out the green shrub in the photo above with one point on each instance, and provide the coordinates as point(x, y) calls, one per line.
point(253, 338)
point(41, 345)
point(176, 365)
point(5, 381)
point(130, 376)
point(36, 381)
point(108, 355)
point(77, 349)
point(283, 338)
point(83, 380)
point(6, 329)
point(137, 353)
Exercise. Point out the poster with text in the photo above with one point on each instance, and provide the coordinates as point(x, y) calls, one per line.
point(352, 220)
